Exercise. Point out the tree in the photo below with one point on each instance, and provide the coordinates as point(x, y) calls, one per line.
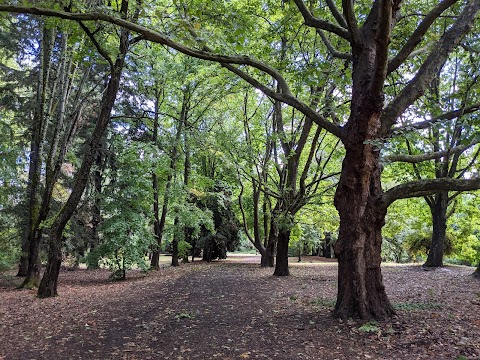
point(446, 148)
point(48, 285)
point(368, 37)
point(126, 230)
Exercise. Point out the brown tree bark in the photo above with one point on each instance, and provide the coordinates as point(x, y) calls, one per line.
point(438, 209)
point(360, 288)
point(361, 292)
point(281, 264)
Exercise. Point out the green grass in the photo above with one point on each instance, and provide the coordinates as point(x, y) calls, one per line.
point(370, 327)
point(329, 303)
point(185, 315)
point(417, 306)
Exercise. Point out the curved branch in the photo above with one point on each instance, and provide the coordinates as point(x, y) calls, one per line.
point(225, 61)
point(150, 35)
point(99, 48)
point(429, 69)
point(418, 34)
point(289, 100)
point(331, 49)
point(336, 14)
point(427, 187)
point(451, 115)
point(314, 22)
point(415, 159)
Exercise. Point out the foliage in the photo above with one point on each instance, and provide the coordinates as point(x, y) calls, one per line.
point(370, 327)
point(417, 306)
point(224, 236)
point(305, 239)
point(126, 229)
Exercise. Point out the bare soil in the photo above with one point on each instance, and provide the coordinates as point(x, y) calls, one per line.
point(234, 309)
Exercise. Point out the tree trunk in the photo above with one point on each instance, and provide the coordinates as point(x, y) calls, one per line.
point(268, 257)
point(361, 292)
point(23, 263)
point(32, 278)
point(96, 213)
point(48, 285)
point(327, 246)
point(268, 249)
point(175, 242)
point(157, 224)
point(281, 265)
point(39, 126)
point(439, 233)
point(476, 273)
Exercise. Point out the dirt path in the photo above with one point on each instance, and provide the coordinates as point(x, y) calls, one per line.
point(236, 310)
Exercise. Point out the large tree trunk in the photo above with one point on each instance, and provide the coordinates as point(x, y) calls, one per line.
point(281, 265)
point(268, 255)
point(361, 292)
point(439, 233)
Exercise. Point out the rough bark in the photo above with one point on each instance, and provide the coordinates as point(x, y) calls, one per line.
point(268, 258)
point(281, 265)
point(361, 292)
point(269, 246)
point(360, 285)
point(438, 209)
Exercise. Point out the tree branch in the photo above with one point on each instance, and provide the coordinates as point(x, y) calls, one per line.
point(225, 61)
point(331, 49)
point(446, 116)
point(99, 48)
point(151, 35)
point(418, 34)
point(382, 39)
point(427, 187)
point(289, 100)
point(336, 14)
point(314, 22)
point(415, 159)
point(352, 25)
point(430, 67)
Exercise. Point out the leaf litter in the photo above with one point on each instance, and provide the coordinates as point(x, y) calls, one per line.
point(234, 309)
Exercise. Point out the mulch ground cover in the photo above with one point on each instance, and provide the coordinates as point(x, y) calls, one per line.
point(234, 309)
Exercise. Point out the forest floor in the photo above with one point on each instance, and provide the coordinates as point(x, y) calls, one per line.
point(233, 309)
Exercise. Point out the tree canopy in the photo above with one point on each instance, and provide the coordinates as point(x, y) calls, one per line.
point(301, 106)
